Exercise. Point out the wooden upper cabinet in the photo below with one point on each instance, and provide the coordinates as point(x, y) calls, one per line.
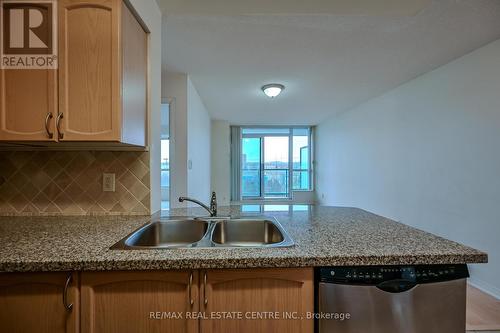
point(134, 79)
point(89, 70)
point(28, 104)
point(102, 73)
point(250, 292)
point(125, 302)
point(33, 302)
point(28, 100)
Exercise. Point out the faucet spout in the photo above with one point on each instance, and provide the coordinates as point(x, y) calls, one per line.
point(212, 210)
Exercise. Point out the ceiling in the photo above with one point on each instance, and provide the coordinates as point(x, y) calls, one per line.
point(328, 63)
point(266, 7)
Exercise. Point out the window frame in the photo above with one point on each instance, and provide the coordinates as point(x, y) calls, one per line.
point(310, 161)
point(308, 170)
point(291, 169)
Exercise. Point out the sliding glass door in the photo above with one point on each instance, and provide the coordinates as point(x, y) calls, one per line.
point(276, 166)
point(274, 162)
point(265, 163)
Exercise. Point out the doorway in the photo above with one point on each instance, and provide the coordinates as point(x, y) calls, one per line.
point(165, 156)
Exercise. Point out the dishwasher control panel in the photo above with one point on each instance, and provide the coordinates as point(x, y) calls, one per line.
point(372, 275)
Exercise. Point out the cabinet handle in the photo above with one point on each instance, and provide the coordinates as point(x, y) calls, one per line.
point(67, 306)
point(205, 299)
point(47, 118)
point(58, 125)
point(190, 286)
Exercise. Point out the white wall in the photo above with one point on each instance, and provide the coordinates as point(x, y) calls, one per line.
point(426, 154)
point(199, 157)
point(304, 197)
point(150, 13)
point(174, 89)
point(189, 140)
point(221, 163)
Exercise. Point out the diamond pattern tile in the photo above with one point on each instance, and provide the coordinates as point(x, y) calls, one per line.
point(70, 183)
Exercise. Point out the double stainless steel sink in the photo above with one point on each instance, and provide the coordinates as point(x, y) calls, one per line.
point(207, 233)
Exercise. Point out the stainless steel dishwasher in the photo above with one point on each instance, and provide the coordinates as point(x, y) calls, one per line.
point(391, 299)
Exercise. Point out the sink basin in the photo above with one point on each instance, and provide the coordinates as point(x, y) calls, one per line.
point(174, 233)
point(207, 233)
point(250, 233)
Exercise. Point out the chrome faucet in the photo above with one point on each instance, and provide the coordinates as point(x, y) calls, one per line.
point(212, 210)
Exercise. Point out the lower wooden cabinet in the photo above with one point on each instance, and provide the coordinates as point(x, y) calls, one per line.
point(206, 301)
point(132, 302)
point(257, 300)
point(33, 302)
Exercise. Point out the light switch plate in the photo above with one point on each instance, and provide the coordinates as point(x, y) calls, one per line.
point(108, 182)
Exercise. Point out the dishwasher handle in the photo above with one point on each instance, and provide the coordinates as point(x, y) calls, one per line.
point(396, 286)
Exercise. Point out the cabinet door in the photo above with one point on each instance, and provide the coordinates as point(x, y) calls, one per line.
point(89, 70)
point(268, 300)
point(28, 105)
point(33, 302)
point(131, 302)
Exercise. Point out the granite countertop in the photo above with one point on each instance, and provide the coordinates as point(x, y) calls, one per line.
point(324, 236)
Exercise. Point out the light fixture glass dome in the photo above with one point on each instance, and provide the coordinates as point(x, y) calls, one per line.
point(272, 90)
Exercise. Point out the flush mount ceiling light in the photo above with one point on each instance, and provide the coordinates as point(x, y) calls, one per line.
point(272, 90)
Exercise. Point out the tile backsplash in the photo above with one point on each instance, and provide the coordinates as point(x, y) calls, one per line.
point(70, 183)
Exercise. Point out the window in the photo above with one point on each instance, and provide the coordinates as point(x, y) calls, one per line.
point(250, 167)
point(273, 161)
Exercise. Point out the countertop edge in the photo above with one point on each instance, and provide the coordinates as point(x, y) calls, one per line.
point(238, 263)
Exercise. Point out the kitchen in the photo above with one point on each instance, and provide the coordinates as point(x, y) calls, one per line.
point(284, 165)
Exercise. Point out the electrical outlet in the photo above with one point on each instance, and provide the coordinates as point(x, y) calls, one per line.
point(108, 182)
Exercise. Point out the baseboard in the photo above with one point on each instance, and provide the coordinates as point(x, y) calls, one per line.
point(485, 287)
